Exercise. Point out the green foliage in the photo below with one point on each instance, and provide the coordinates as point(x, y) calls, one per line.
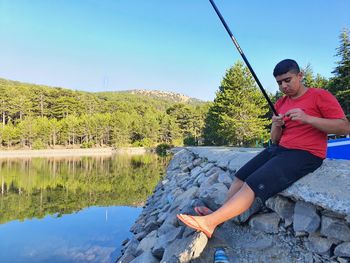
point(38, 144)
point(236, 116)
point(339, 85)
point(163, 149)
point(56, 116)
point(34, 188)
point(310, 80)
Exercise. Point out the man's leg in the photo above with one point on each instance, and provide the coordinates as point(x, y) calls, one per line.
point(234, 188)
point(235, 206)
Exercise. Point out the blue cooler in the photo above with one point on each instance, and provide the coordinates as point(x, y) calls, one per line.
point(339, 149)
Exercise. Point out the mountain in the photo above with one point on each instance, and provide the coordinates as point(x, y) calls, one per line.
point(164, 95)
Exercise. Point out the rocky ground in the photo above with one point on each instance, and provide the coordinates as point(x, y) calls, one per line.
point(283, 230)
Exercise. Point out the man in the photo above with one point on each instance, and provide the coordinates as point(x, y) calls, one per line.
point(299, 136)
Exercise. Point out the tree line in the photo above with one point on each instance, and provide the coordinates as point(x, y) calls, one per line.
point(36, 116)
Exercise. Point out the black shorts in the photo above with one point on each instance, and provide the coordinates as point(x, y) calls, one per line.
point(275, 169)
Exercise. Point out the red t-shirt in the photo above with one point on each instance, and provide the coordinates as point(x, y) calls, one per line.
point(314, 102)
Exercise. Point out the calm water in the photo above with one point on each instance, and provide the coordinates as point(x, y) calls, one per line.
point(72, 209)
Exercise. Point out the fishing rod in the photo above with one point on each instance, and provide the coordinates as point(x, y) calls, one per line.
point(244, 58)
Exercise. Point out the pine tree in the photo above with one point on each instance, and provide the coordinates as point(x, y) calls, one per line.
point(236, 116)
point(340, 84)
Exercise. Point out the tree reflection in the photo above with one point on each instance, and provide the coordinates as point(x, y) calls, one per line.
point(37, 187)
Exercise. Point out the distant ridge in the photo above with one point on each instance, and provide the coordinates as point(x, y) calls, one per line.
point(164, 95)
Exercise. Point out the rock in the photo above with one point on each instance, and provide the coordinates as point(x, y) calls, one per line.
point(186, 196)
point(342, 250)
point(267, 223)
point(319, 245)
point(147, 243)
point(164, 240)
point(185, 249)
point(126, 258)
point(215, 171)
point(170, 222)
point(131, 247)
point(335, 228)
point(283, 207)
point(305, 218)
point(145, 257)
point(197, 162)
point(201, 178)
point(125, 241)
point(259, 244)
point(182, 157)
point(151, 225)
point(196, 171)
point(207, 167)
point(343, 260)
point(225, 179)
point(214, 196)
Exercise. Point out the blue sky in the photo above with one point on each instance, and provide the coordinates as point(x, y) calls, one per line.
point(172, 45)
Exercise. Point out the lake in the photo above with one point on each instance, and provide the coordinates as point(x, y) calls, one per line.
point(76, 209)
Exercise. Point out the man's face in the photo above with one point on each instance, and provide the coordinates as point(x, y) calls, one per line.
point(290, 83)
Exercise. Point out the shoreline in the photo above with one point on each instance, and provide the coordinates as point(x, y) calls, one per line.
point(108, 151)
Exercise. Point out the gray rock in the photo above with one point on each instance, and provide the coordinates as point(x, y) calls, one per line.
point(197, 161)
point(343, 260)
point(185, 198)
point(214, 196)
point(126, 258)
point(147, 243)
point(182, 157)
point(201, 178)
point(141, 235)
point(267, 223)
point(162, 218)
point(335, 228)
point(319, 245)
point(283, 207)
point(305, 218)
point(151, 225)
point(185, 249)
point(347, 218)
point(215, 171)
point(170, 222)
point(164, 240)
point(131, 247)
point(259, 244)
point(196, 171)
point(207, 167)
point(145, 257)
point(342, 250)
point(225, 179)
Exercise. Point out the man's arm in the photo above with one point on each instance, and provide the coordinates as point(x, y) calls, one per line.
point(276, 128)
point(334, 126)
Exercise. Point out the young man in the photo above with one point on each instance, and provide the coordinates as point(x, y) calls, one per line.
point(308, 115)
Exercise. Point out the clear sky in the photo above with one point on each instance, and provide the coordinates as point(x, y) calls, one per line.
point(171, 45)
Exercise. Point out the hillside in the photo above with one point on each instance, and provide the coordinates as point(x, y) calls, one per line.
point(164, 95)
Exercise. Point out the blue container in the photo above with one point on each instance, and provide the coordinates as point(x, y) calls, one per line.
point(339, 149)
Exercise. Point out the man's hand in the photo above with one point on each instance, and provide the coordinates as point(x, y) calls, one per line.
point(298, 115)
point(278, 121)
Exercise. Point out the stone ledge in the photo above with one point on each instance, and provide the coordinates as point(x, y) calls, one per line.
point(327, 187)
point(298, 225)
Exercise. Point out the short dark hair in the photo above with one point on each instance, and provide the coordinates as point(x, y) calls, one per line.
point(285, 66)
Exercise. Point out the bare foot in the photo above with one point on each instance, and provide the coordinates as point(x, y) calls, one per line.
point(198, 223)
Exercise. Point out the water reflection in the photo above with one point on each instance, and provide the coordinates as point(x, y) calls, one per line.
point(50, 196)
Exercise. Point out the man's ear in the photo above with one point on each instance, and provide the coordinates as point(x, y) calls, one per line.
point(301, 75)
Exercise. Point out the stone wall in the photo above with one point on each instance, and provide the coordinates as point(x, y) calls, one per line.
point(308, 222)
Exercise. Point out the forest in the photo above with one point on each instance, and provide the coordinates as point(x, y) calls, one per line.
point(38, 117)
